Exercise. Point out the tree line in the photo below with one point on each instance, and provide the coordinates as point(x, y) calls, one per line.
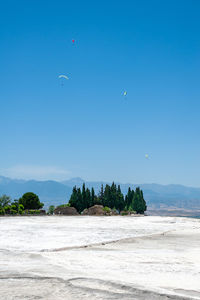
point(110, 196)
point(28, 202)
point(81, 198)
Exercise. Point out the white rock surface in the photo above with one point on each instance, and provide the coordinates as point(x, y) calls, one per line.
point(60, 257)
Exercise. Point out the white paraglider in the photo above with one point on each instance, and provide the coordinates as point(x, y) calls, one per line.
point(62, 78)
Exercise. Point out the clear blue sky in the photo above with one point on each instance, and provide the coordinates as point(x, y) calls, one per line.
point(86, 128)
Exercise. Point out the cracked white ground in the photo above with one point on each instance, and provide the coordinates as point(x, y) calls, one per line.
point(72, 258)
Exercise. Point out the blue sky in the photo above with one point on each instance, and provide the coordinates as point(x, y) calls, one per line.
point(86, 127)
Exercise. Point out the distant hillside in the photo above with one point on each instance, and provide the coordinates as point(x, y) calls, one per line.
point(53, 192)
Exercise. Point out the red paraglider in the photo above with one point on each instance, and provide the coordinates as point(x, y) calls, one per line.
point(73, 41)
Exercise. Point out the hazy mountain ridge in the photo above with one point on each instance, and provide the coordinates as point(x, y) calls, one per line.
point(54, 192)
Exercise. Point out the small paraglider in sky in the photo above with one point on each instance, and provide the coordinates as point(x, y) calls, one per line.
point(63, 77)
point(73, 41)
point(125, 93)
point(147, 156)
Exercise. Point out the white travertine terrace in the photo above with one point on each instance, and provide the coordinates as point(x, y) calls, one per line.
point(99, 258)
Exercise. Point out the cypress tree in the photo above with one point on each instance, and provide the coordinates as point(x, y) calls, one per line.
point(84, 200)
point(113, 195)
point(101, 199)
point(93, 198)
point(120, 203)
point(107, 196)
point(88, 198)
point(80, 203)
point(73, 198)
point(139, 204)
point(129, 198)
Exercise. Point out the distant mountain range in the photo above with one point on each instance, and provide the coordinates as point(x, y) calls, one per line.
point(55, 193)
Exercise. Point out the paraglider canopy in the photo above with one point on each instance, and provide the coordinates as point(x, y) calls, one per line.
point(125, 93)
point(73, 41)
point(146, 156)
point(63, 76)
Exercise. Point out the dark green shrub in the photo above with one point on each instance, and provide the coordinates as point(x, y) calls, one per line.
point(107, 209)
point(7, 209)
point(20, 209)
point(124, 213)
point(13, 210)
point(2, 211)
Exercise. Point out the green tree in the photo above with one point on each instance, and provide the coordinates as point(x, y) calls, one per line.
point(13, 209)
point(80, 204)
point(17, 206)
point(94, 199)
point(20, 209)
point(84, 196)
point(51, 209)
point(101, 199)
point(129, 198)
point(73, 198)
point(76, 199)
point(88, 198)
point(107, 196)
point(4, 201)
point(30, 201)
point(7, 209)
point(139, 204)
point(119, 202)
point(2, 211)
point(113, 196)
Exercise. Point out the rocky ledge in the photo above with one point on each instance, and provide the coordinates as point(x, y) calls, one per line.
point(67, 211)
point(99, 210)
